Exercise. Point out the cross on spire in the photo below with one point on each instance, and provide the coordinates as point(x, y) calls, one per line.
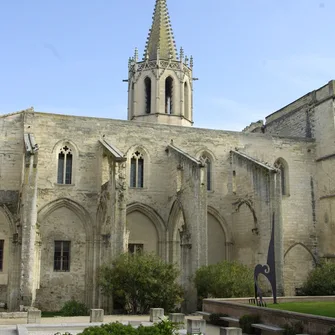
point(160, 39)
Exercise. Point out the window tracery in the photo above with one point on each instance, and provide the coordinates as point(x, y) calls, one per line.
point(65, 162)
point(136, 170)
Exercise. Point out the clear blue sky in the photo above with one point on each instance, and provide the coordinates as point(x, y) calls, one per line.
point(251, 56)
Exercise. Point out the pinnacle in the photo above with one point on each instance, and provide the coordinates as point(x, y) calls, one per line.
point(160, 39)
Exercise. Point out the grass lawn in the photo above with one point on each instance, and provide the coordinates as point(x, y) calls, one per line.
point(324, 308)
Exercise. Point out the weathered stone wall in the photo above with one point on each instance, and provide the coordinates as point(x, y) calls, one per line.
point(300, 118)
point(11, 165)
point(157, 200)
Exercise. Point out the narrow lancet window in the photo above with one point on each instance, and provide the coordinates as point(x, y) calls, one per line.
point(282, 166)
point(208, 162)
point(137, 170)
point(186, 102)
point(147, 87)
point(168, 95)
point(64, 173)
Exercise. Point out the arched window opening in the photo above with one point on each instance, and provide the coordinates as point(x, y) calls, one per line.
point(168, 95)
point(208, 163)
point(186, 101)
point(136, 170)
point(147, 88)
point(65, 160)
point(282, 166)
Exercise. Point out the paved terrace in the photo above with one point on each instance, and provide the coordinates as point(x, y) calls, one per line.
point(8, 326)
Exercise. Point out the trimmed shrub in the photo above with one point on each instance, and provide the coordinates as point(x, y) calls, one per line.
point(293, 329)
point(320, 281)
point(224, 280)
point(246, 321)
point(141, 281)
point(214, 319)
point(74, 308)
point(165, 327)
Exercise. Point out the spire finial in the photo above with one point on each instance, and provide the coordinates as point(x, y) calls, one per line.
point(136, 55)
point(181, 55)
point(160, 34)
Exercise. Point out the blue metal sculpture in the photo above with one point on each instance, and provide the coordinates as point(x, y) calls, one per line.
point(268, 270)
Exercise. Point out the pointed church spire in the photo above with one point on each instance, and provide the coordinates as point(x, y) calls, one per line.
point(160, 35)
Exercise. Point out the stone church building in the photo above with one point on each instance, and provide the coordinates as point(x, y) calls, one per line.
point(77, 191)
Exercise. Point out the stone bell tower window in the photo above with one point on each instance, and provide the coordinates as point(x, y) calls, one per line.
point(147, 88)
point(186, 101)
point(168, 95)
point(64, 175)
point(136, 170)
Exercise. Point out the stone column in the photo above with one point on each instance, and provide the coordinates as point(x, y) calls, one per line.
point(118, 234)
point(28, 222)
point(194, 240)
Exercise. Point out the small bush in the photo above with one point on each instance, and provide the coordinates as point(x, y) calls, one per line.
point(165, 327)
point(74, 308)
point(293, 329)
point(214, 319)
point(332, 331)
point(246, 321)
point(321, 280)
point(141, 281)
point(224, 280)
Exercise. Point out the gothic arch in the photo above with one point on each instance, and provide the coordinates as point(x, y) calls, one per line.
point(78, 209)
point(10, 219)
point(174, 215)
point(152, 215)
point(206, 156)
point(303, 245)
point(206, 151)
point(64, 142)
point(146, 229)
point(146, 164)
point(138, 147)
point(282, 165)
point(222, 221)
point(298, 262)
point(80, 235)
point(69, 151)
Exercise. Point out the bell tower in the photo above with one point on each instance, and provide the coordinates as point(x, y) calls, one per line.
point(160, 86)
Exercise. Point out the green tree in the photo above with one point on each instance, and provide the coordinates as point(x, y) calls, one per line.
point(141, 281)
point(320, 281)
point(224, 280)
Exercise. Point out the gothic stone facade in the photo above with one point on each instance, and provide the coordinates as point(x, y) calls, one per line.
point(77, 191)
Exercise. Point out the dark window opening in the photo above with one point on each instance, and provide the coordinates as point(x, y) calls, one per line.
point(2, 243)
point(62, 256)
point(168, 95)
point(137, 170)
point(186, 102)
point(283, 182)
point(64, 172)
point(209, 177)
point(147, 84)
point(135, 248)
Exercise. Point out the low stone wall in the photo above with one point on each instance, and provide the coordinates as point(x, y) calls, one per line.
point(313, 324)
point(13, 315)
point(329, 298)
